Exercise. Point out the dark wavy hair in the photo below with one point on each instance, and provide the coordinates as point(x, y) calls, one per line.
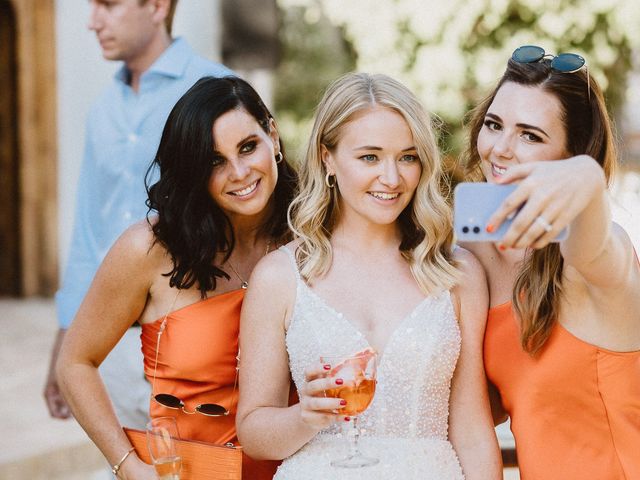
point(190, 224)
point(538, 286)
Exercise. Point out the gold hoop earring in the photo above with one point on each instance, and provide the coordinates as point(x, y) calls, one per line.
point(328, 182)
point(279, 157)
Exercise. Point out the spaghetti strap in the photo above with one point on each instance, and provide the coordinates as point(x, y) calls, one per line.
point(292, 257)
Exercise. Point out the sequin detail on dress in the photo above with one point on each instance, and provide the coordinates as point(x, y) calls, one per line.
point(406, 425)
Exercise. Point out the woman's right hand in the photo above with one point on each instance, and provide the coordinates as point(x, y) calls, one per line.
point(552, 192)
point(317, 410)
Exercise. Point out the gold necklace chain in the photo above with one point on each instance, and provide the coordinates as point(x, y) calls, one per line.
point(243, 283)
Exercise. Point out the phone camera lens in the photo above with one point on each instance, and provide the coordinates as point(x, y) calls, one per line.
point(476, 229)
point(465, 229)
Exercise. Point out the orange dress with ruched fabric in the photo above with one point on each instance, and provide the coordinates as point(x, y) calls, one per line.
point(197, 364)
point(574, 407)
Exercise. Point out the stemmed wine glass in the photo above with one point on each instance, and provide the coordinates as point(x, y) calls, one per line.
point(162, 433)
point(358, 372)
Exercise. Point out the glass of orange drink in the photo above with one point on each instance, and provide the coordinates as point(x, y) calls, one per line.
point(358, 374)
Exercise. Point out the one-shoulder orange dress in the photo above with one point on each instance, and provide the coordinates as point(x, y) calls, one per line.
point(574, 407)
point(197, 364)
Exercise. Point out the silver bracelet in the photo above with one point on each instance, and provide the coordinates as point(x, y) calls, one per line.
point(116, 468)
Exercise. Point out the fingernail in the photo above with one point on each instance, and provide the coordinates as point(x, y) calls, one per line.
point(339, 381)
point(343, 402)
point(502, 248)
point(346, 419)
point(490, 228)
point(326, 366)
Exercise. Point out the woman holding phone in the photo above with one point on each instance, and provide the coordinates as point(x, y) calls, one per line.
point(562, 343)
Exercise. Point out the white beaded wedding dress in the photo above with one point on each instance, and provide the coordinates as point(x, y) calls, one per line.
point(406, 425)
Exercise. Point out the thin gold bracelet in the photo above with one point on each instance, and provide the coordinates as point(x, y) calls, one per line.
point(116, 468)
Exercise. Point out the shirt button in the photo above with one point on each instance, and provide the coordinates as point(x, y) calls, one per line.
point(133, 138)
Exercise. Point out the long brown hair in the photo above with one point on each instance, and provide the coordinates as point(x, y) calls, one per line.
point(538, 286)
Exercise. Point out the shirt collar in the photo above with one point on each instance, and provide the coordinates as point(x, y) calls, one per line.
point(171, 63)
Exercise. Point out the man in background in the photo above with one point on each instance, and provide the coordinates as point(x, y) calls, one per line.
point(123, 131)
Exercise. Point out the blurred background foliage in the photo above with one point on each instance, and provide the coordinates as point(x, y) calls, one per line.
point(449, 52)
point(314, 52)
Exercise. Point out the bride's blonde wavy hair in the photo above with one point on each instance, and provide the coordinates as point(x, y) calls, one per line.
point(425, 224)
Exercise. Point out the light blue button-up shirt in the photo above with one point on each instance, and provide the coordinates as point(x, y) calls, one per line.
point(122, 136)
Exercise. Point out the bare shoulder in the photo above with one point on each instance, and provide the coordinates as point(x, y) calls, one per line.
point(469, 266)
point(471, 293)
point(271, 294)
point(137, 246)
point(124, 279)
point(482, 251)
point(138, 238)
point(275, 274)
point(470, 246)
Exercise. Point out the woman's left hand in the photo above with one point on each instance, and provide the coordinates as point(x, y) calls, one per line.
point(550, 195)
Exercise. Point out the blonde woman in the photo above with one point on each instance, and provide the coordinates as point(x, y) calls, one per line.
point(372, 267)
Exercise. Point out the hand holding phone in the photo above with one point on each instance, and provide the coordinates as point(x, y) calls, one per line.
point(473, 206)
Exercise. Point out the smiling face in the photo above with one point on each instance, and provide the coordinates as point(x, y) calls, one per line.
point(523, 124)
point(376, 166)
point(245, 171)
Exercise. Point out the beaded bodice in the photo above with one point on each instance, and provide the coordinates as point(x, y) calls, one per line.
point(414, 371)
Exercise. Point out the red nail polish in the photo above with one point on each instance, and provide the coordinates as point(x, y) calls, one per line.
point(339, 381)
point(490, 228)
point(346, 419)
point(502, 248)
point(326, 366)
point(343, 402)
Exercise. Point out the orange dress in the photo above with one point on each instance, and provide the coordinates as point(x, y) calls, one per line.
point(574, 407)
point(197, 363)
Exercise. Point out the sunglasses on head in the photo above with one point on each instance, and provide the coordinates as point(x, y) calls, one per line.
point(563, 62)
point(170, 401)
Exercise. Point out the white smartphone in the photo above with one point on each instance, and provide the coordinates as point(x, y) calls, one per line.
point(474, 203)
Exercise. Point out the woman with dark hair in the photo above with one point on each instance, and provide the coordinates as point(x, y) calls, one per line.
point(562, 343)
point(220, 205)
